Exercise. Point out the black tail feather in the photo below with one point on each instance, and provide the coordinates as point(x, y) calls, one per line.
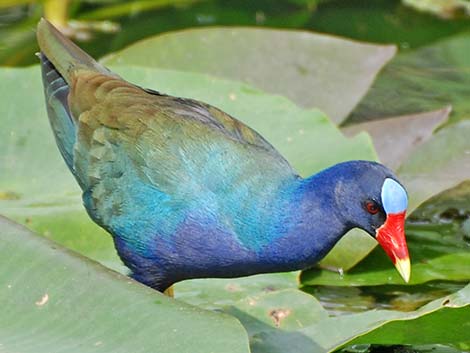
point(56, 91)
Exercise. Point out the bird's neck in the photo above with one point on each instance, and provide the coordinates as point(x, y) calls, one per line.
point(309, 226)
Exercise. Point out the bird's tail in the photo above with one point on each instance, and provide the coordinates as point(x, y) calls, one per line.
point(56, 91)
point(65, 56)
point(61, 61)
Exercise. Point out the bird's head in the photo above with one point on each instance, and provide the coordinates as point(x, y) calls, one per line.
point(372, 198)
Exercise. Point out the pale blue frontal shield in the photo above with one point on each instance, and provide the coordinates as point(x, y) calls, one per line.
point(394, 198)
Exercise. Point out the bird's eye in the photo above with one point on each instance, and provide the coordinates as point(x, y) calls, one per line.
point(372, 207)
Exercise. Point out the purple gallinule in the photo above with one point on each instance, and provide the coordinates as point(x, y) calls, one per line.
point(187, 191)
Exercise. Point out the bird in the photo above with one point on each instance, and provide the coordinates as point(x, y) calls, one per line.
point(188, 191)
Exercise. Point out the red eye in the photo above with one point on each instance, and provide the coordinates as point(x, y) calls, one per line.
point(372, 207)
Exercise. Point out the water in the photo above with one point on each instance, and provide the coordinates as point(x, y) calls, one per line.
point(347, 300)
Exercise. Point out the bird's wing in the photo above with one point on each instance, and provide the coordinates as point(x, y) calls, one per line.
point(133, 149)
point(133, 143)
point(211, 116)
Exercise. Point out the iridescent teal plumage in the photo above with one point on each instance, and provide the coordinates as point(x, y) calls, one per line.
point(186, 190)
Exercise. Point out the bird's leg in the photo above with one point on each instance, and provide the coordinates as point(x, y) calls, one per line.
point(169, 292)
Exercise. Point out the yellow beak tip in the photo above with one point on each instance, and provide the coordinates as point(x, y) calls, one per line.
point(404, 268)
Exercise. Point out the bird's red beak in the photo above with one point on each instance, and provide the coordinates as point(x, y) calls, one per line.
point(391, 236)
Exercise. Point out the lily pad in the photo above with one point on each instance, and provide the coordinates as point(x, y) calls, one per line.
point(217, 293)
point(444, 320)
point(395, 138)
point(311, 69)
point(291, 321)
point(288, 309)
point(439, 164)
point(349, 251)
point(56, 301)
point(274, 321)
point(448, 206)
point(426, 79)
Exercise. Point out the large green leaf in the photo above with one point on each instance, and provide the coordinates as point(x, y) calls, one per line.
point(439, 164)
point(282, 319)
point(445, 320)
point(274, 321)
point(425, 79)
point(37, 188)
point(395, 138)
point(312, 70)
point(216, 293)
point(56, 301)
point(349, 251)
point(449, 206)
